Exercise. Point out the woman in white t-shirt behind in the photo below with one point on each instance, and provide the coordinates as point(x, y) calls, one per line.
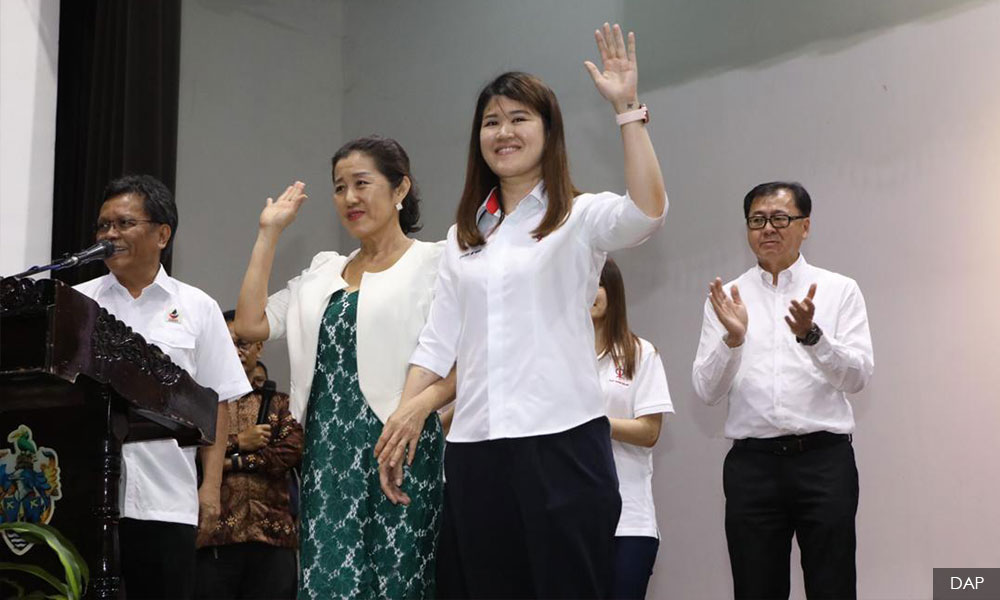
point(636, 396)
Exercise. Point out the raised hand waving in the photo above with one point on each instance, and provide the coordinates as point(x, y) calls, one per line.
point(278, 214)
point(619, 80)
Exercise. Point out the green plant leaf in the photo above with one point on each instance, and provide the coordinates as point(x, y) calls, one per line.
point(71, 559)
point(75, 567)
point(37, 572)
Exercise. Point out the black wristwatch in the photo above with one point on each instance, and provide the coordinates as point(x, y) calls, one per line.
point(812, 337)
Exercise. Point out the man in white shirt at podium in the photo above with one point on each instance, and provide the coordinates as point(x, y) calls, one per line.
point(160, 501)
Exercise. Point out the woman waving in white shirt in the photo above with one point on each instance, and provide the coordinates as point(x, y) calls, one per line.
point(636, 396)
point(531, 496)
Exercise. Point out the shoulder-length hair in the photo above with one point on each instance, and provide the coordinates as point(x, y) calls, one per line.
point(620, 342)
point(479, 179)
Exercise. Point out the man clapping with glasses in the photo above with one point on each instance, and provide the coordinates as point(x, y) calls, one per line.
point(785, 346)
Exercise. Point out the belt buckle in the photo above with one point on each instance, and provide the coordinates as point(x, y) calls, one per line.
point(793, 446)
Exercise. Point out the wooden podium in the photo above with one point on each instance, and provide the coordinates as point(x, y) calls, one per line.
point(76, 383)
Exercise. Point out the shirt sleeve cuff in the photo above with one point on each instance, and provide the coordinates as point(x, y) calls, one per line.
point(438, 365)
point(234, 392)
point(821, 350)
point(274, 331)
point(633, 214)
point(725, 350)
point(655, 409)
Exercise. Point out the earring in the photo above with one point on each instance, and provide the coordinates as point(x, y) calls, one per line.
point(399, 206)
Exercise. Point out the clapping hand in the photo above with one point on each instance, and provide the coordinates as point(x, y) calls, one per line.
point(619, 80)
point(279, 213)
point(731, 311)
point(800, 317)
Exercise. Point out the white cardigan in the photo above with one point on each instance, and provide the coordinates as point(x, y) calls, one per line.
point(392, 308)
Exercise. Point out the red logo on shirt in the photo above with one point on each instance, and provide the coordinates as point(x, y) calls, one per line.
point(173, 315)
point(620, 378)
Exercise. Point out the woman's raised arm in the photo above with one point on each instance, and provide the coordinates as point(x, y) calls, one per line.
point(251, 321)
point(618, 83)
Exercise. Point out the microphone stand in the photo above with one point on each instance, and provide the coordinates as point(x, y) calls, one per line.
point(56, 266)
point(66, 262)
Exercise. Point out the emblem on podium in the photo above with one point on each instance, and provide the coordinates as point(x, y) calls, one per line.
point(29, 485)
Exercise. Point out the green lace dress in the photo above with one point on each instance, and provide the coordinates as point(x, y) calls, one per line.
point(355, 543)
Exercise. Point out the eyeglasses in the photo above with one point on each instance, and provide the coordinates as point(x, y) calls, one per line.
point(244, 345)
point(123, 224)
point(776, 221)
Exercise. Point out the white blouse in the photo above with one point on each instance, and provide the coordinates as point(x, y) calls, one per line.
point(515, 315)
point(392, 308)
point(645, 394)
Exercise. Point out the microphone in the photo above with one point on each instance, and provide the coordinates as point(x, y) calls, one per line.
point(266, 392)
point(99, 251)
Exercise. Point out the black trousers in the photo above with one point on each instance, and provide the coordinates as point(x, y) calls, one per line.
point(634, 558)
point(249, 570)
point(157, 559)
point(531, 517)
point(772, 495)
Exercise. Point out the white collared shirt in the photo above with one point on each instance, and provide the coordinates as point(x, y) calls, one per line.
point(159, 482)
point(645, 394)
point(515, 315)
point(775, 385)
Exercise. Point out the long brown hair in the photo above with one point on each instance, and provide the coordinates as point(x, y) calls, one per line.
point(619, 341)
point(479, 179)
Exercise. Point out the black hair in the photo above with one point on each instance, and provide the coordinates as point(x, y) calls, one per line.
point(157, 200)
point(263, 366)
point(394, 164)
point(229, 315)
point(803, 203)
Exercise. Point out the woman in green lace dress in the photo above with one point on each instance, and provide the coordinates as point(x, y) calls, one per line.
point(352, 322)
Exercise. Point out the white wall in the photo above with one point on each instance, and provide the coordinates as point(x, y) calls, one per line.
point(260, 107)
point(29, 56)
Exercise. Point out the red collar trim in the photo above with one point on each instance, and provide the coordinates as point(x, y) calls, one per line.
point(493, 203)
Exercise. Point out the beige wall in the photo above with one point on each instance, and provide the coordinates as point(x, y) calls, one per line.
point(260, 107)
point(897, 137)
point(889, 112)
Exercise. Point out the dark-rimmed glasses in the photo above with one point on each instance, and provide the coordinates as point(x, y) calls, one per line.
point(776, 221)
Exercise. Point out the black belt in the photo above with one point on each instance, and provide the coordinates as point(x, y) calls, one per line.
point(793, 444)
